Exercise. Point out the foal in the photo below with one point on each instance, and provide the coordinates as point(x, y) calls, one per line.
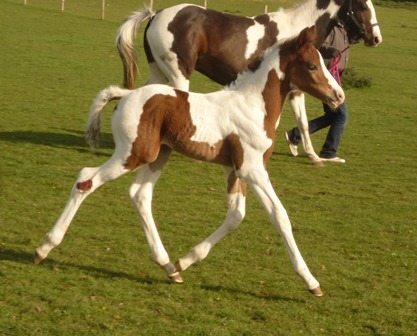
point(234, 127)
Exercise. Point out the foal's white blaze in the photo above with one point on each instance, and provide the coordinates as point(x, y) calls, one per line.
point(334, 84)
point(253, 34)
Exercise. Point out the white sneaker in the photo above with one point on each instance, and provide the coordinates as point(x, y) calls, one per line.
point(335, 159)
point(291, 146)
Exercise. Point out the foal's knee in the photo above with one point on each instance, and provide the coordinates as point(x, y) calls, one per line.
point(133, 190)
point(85, 179)
point(234, 218)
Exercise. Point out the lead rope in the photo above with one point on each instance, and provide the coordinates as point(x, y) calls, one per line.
point(334, 69)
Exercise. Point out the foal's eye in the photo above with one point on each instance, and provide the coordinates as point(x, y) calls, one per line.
point(311, 67)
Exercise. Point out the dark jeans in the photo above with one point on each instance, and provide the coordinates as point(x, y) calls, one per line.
point(336, 119)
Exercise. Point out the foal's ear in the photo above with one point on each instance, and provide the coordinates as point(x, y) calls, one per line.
point(307, 36)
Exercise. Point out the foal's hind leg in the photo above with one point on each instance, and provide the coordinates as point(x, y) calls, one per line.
point(236, 190)
point(89, 180)
point(141, 193)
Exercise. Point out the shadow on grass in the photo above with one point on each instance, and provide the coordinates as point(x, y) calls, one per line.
point(64, 138)
point(27, 258)
point(256, 295)
point(50, 263)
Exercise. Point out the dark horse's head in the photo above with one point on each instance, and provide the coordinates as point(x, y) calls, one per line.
point(360, 22)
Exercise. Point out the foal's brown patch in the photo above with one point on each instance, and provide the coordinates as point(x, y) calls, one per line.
point(145, 147)
point(166, 120)
point(236, 185)
point(85, 185)
point(273, 107)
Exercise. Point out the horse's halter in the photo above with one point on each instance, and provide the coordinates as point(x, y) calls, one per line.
point(351, 15)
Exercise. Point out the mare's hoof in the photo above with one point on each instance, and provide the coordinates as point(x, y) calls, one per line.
point(38, 258)
point(317, 163)
point(316, 291)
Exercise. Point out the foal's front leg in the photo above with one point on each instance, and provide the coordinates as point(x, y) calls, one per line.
point(89, 180)
point(259, 181)
point(141, 193)
point(236, 193)
point(297, 103)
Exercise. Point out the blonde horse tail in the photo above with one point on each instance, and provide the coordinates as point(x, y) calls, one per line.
point(93, 127)
point(126, 46)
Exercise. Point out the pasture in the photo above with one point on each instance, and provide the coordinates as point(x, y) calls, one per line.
point(355, 224)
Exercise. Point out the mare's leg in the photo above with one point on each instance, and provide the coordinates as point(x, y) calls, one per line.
point(156, 76)
point(88, 180)
point(297, 103)
point(257, 178)
point(168, 67)
point(141, 192)
point(236, 192)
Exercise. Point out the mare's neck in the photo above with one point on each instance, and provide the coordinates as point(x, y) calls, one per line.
point(291, 21)
point(254, 78)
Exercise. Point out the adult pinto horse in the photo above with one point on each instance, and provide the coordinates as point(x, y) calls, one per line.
point(234, 127)
point(185, 37)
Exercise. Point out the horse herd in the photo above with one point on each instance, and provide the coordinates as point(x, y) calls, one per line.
point(261, 60)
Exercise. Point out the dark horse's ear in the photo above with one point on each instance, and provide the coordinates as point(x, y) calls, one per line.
point(307, 36)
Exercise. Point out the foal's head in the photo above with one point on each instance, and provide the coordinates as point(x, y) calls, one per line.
point(305, 70)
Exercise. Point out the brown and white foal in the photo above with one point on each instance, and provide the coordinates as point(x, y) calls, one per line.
point(234, 127)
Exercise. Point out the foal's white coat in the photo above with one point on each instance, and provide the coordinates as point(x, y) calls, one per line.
point(241, 112)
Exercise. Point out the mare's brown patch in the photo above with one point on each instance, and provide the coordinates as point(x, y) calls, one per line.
point(214, 43)
point(146, 47)
point(270, 37)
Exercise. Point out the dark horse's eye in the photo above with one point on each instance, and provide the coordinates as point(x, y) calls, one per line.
point(311, 67)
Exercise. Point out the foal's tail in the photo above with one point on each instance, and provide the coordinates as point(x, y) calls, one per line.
point(92, 129)
point(126, 46)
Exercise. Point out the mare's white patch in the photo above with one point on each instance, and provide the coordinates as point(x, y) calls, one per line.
point(253, 34)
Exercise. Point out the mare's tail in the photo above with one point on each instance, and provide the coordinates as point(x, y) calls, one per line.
point(126, 46)
point(92, 129)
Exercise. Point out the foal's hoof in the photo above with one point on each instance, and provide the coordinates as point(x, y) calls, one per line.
point(316, 291)
point(38, 258)
point(175, 275)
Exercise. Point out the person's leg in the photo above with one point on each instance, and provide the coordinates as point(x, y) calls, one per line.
point(338, 119)
point(313, 126)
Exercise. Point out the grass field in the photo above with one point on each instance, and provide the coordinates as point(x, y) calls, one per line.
point(355, 224)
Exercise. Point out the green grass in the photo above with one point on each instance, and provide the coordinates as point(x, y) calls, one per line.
point(355, 224)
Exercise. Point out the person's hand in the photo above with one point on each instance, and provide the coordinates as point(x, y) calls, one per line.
point(335, 53)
